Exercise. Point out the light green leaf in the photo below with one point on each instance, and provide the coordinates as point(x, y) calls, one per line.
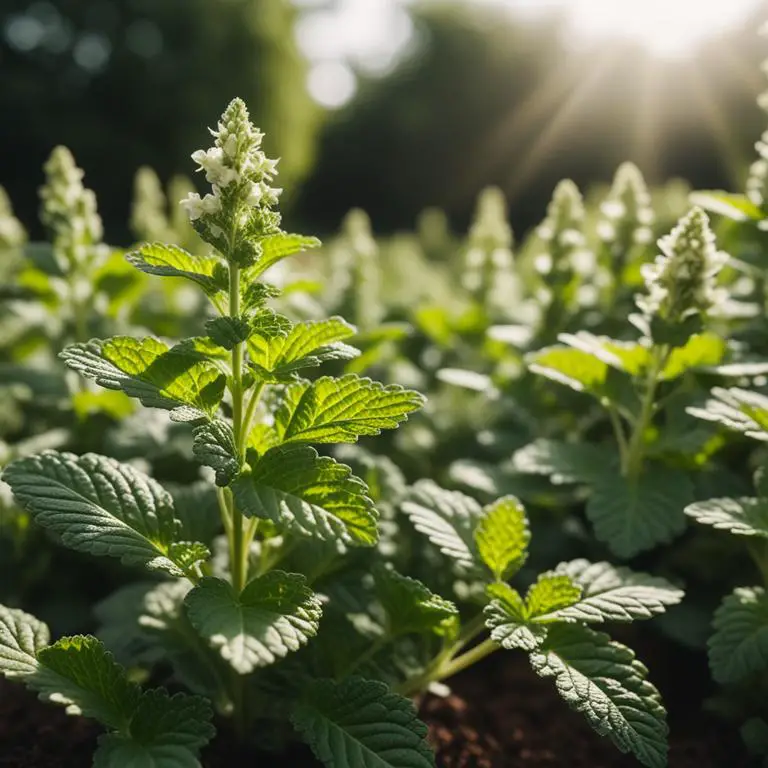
point(99, 506)
point(628, 356)
point(165, 732)
point(506, 618)
point(275, 248)
point(632, 517)
point(172, 261)
point(214, 446)
point(502, 537)
point(339, 410)
point(738, 409)
point(255, 295)
point(21, 637)
point(358, 723)
point(79, 673)
point(309, 494)
point(447, 518)
point(274, 614)
point(734, 206)
point(307, 345)
point(409, 605)
point(603, 680)
point(742, 517)
point(552, 592)
point(159, 376)
point(564, 462)
point(739, 645)
point(702, 349)
point(614, 594)
point(227, 332)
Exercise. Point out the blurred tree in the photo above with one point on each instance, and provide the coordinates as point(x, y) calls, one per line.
point(126, 83)
point(486, 98)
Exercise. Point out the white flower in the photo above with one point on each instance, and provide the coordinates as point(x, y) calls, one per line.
point(255, 194)
point(197, 207)
point(216, 171)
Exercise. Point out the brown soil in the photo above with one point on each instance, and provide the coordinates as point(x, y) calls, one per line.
point(499, 716)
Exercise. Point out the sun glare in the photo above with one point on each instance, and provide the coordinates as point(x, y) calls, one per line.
point(671, 28)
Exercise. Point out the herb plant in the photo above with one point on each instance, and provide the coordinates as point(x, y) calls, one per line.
point(295, 621)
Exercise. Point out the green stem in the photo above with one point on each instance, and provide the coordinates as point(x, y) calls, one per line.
point(249, 413)
point(633, 463)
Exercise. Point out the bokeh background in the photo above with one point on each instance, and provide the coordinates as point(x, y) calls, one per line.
point(389, 105)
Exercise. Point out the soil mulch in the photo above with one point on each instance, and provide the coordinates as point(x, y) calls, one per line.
point(500, 715)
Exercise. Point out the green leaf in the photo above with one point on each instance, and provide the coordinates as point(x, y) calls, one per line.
point(214, 446)
point(165, 732)
point(603, 680)
point(409, 605)
point(628, 356)
point(256, 294)
point(614, 594)
point(742, 517)
point(307, 345)
point(22, 636)
point(507, 620)
point(358, 723)
point(275, 248)
point(159, 376)
point(564, 463)
point(552, 592)
point(172, 261)
point(734, 206)
point(502, 537)
point(99, 506)
point(632, 517)
point(227, 332)
point(447, 518)
point(274, 614)
point(339, 410)
point(702, 349)
point(736, 409)
point(739, 645)
point(309, 494)
point(79, 673)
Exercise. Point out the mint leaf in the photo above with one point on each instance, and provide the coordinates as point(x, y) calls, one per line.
point(632, 517)
point(274, 614)
point(615, 594)
point(702, 349)
point(410, 606)
point(550, 593)
point(275, 248)
point(502, 537)
point(358, 723)
point(507, 619)
point(214, 446)
point(742, 517)
point(307, 345)
point(309, 494)
point(603, 680)
point(159, 376)
point(447, 518)
point(99, 506)
point(739, 644)
point(226, 332)
point(564, 462)
point(736, 409)
point(628, 356)
point(22, 636)
point(339, 410)
point(165, 732)
point(171, 261)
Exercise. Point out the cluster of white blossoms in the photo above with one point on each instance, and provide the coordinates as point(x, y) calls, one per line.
point(682, 281)
point(239, 172)
point(757, 181)
point(626, 213)
point(69, 210)
point(12, 232)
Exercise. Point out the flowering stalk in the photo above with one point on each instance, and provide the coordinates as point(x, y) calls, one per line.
point(12, 232)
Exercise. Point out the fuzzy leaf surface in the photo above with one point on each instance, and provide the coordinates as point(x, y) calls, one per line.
point(22, 636)
point(274, 614)
point(746, 516)
point(358, 723)
point(603, 680)
point(740, 410)
point(739, 645)
point(506, 618)
point(275, 248)
point(550, 593)
point(564, 462)
point(214, 446)
point(311, 495)
point(147, 369)
point(100, 506)
point(502, 537)
point(171, 261)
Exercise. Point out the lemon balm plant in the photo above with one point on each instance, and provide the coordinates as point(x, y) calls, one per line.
point(293, 622)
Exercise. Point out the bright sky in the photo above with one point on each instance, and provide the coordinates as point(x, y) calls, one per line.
point(341, 36)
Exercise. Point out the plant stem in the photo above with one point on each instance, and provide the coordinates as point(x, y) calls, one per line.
point(618, 430)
